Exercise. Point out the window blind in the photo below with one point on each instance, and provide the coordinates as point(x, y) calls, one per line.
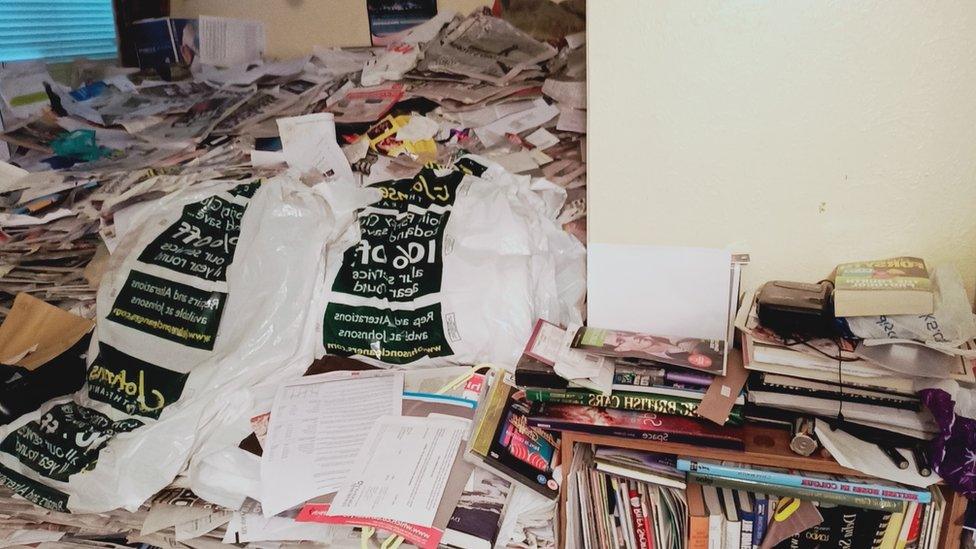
point(56, 30)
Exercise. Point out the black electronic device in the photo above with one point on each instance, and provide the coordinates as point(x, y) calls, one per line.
point(796, 310)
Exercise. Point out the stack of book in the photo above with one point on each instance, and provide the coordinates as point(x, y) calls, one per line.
point(628, 499)
point(639, 386)
point(826, 378)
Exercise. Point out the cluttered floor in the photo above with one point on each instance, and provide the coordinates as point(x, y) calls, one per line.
point(337, 300)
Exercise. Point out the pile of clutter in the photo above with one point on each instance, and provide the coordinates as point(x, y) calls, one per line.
point(176, 254)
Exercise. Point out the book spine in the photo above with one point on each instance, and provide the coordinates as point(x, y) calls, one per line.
point(784, 479)
point(635, 402)
point(640, 521)
point(729, 442)
point(745, 538)
point(901, 404)
point(698, 533)
point(645, 502)
point(759, 524)
point(800, 493)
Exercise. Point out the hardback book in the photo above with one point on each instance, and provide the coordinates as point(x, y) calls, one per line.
point(165, 40)
point(747, 515)
point(776, 383)
point(641, 530)
point(478, 515)
point(896, 286)
point(903, 421)
point(825, 483)
point(640, 425)
point(503, 442)
point(851, 500)
point(841, 527)
point(638, 402)
point(648, 467)
point(733, 522)
point(760, 504)
point(640, 475)
point(697, 518)
point(716, 517)
point(665, 464)
point(648, 510)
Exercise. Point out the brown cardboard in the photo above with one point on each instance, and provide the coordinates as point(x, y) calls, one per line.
point(720, 397)
point(35, 332)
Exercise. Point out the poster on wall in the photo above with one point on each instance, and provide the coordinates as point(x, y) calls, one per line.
point(389, 19)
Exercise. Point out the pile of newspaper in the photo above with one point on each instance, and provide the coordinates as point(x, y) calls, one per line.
point(96, 151)
point(474, 84)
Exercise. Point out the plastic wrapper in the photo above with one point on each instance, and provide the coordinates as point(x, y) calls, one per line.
point(953, 450)
point(206, 295)
point(947, 328)
point(452, 266)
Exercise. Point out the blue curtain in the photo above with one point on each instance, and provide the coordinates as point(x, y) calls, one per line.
point(56, 30)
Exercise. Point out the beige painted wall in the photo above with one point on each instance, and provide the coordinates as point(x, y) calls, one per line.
point(807, 133)
point(294, 26)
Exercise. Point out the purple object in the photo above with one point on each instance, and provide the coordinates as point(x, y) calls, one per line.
point(953, 450)
point(689, 378)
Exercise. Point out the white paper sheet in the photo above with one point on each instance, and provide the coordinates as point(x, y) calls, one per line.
point(542, 139)
point(263, 159)
point(401, 470)
point(540, 113)
point(23, 84)
point(589, 370)
point(121, 82)
point(309, 142)
point(253, 527)
point(202, 525)
point(317, 426)
point(571, 120)
point(230, 42)
point(854, 453)
point(517, 162)
point(165, 516)
point(568, 93)
point(672, 290)
point(9, 176)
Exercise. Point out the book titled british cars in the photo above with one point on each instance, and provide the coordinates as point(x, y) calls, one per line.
point(639, 425)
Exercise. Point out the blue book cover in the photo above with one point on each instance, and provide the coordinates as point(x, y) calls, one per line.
point(825, 484)
point(761, 518)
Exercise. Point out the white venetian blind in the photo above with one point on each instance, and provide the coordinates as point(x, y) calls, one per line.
point(56, 29)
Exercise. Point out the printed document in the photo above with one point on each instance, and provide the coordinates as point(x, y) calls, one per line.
point(401, 470)
point(317, 426)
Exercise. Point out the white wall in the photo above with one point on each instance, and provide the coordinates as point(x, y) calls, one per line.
point(805, 132)
point(294, 26)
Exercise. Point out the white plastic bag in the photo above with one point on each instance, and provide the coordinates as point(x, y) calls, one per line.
point(208, 294)
point(950, 325)
point(452, 267)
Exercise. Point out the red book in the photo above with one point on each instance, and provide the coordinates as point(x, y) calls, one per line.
point(630, 424)
point(639, 520)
